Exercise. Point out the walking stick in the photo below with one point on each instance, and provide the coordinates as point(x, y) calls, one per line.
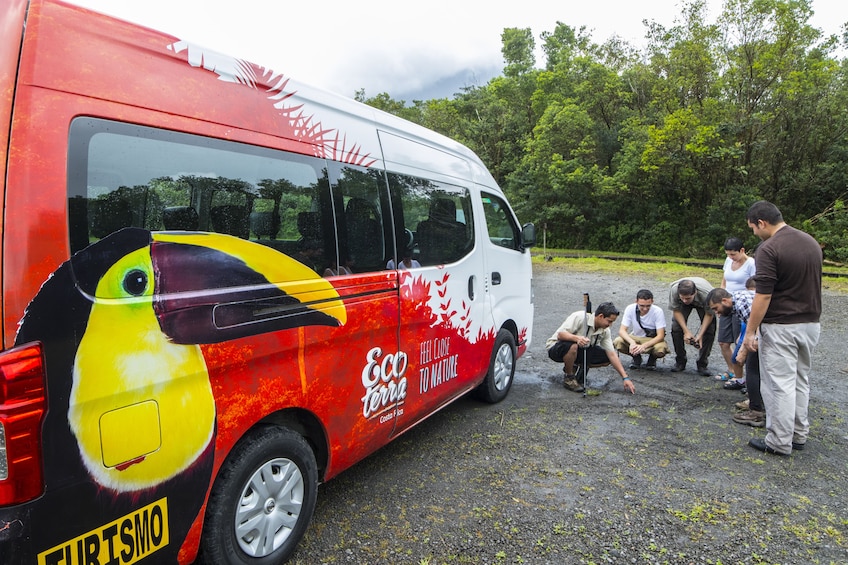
point(587, 305)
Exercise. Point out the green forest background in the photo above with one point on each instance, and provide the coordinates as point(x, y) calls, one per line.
point(660, 150)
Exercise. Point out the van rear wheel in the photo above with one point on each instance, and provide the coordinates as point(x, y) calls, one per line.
point(262, 500)
point(498, 381)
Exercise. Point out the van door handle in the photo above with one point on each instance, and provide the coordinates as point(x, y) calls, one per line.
point(471, 287)
point(496, 278)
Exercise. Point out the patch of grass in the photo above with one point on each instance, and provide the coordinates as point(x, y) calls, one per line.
point(666, 269)
point(709, 512)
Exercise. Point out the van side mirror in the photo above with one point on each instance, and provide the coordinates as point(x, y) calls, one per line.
point(528, 235)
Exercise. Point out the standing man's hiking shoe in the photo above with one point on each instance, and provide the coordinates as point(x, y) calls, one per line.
point(678, 367)
point(754, 418)
point(570, 382)
point(760, 445)
point(637, 362)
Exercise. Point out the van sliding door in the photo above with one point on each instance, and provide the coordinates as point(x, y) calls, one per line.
point(442, 293)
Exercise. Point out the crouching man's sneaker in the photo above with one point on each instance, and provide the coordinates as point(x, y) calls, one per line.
point(570, 382)
point(753, 418)
point(651, 365)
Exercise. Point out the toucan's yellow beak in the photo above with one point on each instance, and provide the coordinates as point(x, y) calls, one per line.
point(214, 287)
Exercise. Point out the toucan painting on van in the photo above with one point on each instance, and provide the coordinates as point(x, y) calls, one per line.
point(131, 413)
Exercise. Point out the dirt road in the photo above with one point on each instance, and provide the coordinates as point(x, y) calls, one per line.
point(549, 476)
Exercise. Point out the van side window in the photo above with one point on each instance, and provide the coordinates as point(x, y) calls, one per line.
point(361, 210)
point(502, 227)
point(437, 219)
point(122, 175)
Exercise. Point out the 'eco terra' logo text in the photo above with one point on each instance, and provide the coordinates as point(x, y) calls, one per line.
point(384, 381)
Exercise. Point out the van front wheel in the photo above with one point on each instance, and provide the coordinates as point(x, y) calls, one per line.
point(498, 381)
point(262, 500)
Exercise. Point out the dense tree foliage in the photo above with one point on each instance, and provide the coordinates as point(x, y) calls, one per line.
point(660, 150)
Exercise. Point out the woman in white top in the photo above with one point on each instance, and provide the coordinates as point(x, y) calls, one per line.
point(738, 268)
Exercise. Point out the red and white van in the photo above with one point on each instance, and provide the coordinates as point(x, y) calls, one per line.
point(220, 288)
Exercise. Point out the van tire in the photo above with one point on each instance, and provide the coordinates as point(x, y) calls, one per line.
point(498, 381)
point(267, 453)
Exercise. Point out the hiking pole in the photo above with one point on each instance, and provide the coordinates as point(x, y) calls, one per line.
point(587, 306)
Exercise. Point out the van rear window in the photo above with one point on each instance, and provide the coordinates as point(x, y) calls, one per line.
point(123, 175)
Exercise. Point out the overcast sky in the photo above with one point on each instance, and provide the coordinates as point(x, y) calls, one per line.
point(409, 50)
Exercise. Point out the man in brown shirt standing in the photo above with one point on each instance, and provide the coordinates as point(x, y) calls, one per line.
point(786, 311)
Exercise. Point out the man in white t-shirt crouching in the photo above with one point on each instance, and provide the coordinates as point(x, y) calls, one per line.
point(642, 331)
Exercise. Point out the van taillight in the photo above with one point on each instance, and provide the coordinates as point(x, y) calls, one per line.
point(23, 403)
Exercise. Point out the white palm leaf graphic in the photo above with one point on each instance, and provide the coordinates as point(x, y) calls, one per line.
point(241, 72)
point(227, 68)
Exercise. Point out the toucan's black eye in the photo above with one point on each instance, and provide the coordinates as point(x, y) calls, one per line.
point(135, 282)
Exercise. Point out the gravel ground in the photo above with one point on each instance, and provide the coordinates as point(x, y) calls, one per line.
point(549, 476)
